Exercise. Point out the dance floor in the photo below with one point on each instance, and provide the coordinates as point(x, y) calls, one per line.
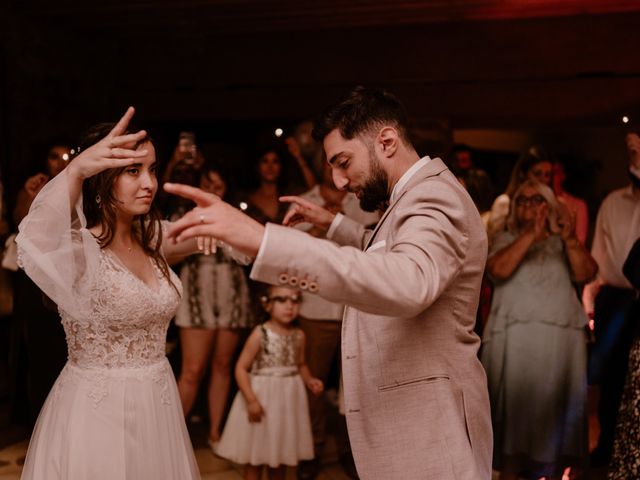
point(211, 466)
point(216, 468)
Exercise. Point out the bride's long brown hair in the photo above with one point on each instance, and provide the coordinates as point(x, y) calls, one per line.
point(99, 204)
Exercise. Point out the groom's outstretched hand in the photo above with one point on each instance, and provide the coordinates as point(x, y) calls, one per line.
point(215, 218)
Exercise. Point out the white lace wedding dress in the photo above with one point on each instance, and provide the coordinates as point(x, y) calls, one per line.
point(114, 412)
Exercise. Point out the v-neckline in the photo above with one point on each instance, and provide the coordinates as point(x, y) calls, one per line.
point(156, 291)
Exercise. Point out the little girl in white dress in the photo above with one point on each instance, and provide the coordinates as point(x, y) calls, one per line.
point(269, 424)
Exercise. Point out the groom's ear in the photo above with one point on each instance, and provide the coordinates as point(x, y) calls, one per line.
point(388, 141)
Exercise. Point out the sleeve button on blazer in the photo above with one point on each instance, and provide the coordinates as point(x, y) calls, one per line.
point(283, 278)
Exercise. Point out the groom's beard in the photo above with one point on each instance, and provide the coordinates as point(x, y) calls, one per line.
point(375, 192)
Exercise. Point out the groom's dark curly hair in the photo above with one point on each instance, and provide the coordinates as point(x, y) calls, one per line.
point(360, 111)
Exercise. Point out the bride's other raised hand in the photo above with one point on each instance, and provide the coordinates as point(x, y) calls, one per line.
point(115, 150)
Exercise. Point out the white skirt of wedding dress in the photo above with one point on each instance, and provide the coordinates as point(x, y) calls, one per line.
point(112, 424)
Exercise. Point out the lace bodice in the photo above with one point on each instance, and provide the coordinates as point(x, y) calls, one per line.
point(112, 318)
point(127, 322)
point(277, 350)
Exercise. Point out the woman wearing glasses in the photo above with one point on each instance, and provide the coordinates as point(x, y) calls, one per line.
point(534, 345)
point(534, 164)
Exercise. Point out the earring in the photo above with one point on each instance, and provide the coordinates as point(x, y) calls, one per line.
point(98, 199)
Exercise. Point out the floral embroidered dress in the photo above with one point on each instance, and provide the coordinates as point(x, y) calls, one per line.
point(114, 411)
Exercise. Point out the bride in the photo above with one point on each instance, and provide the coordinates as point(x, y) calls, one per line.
point(93, 242)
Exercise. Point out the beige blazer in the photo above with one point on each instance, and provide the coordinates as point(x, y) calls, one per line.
point(415, 392)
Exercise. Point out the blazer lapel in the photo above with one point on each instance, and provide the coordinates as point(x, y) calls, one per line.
point(435, 166)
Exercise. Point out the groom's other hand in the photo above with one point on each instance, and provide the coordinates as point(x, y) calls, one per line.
point(303, 210)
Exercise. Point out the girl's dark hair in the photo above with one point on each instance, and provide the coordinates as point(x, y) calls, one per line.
point(263, 292)
point(284, 158)
point(99, 204)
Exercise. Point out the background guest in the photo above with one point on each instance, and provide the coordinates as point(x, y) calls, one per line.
point(321, 322)
point(38, 325)
point(214, 310)
point(311, 151)
point(309, 179)
point(625, 461)
point(263, 202)
point(575, 205)
point(184, 166)
point(185, 154)
point(608, 299)
point(480, 189)
point(534, 164)
point(479, 186)
point(534, 344)
point(461, 159)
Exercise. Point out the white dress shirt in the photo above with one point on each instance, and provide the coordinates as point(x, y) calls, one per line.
point(617, 228)
point(394, 193)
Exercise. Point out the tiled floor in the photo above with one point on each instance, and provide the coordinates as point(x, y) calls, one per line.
point(216, 468)
point(211, 467)
point(13, 448)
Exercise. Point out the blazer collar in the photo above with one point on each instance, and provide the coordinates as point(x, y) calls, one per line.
point(434, 167)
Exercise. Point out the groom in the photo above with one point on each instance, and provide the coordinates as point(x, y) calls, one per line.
point(415, 394)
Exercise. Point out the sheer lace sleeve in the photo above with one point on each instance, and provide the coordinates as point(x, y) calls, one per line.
point(56, 250)
point(189, 247)
point(237, 256)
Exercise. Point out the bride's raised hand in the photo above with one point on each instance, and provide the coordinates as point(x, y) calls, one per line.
point(115, 150)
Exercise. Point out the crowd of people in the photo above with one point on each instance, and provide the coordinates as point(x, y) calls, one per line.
point(543, 292)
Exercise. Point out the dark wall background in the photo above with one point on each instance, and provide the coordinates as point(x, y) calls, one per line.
point(231, 70)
